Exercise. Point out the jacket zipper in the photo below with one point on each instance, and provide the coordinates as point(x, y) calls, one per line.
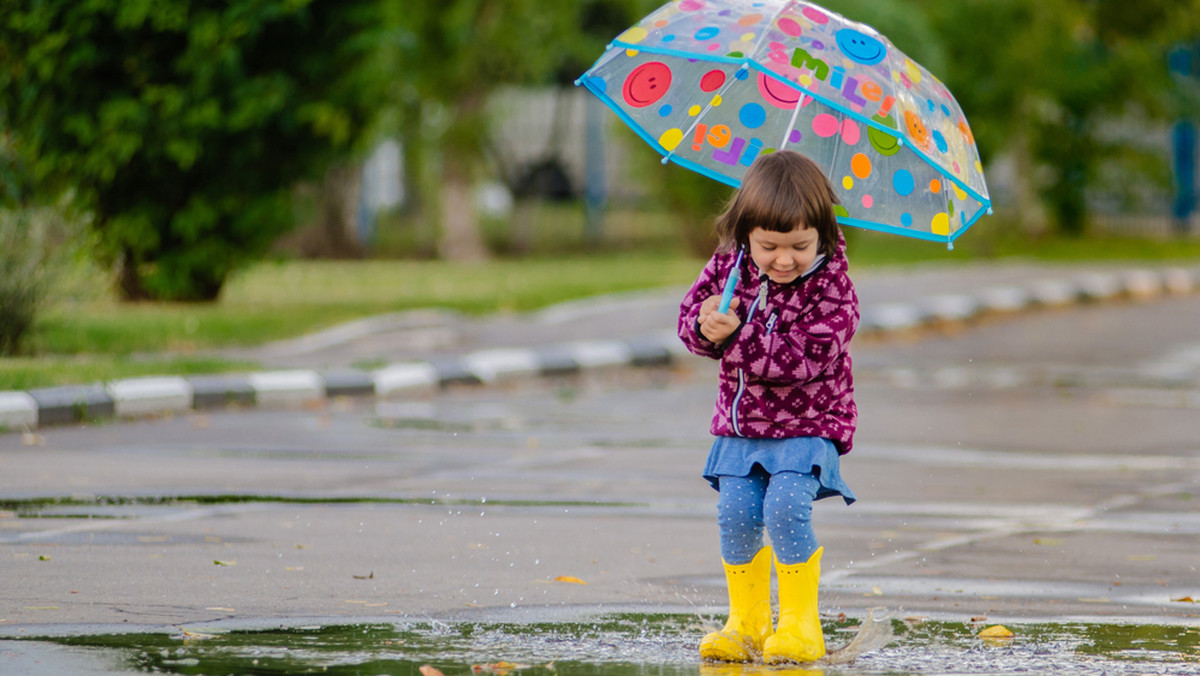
point(761, 299)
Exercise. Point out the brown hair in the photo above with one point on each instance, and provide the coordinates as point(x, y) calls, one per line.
point(780, 192)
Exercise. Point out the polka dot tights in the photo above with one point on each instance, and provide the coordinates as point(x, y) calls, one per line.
point(781, 503)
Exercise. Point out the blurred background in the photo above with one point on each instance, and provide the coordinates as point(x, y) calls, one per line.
point(179, 176)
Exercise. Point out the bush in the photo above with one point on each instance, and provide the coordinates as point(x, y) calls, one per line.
point(36, 245)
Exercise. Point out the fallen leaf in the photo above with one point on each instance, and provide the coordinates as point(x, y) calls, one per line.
point(228, 610)
point(188, 633)
point(876, 591)
point(1141, 557)
point(293, 568)
point(43, 557)
point(1185, 599)
point(225, 563)
point(498, 668)
point(370, 576)
point(569, 579)
point(1049, 542)
point(427, 670)
point(995, 631)
point(41, 607)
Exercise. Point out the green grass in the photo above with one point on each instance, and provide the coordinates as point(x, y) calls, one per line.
point(92, 337)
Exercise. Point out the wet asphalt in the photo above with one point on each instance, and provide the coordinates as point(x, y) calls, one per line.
point(1043, 466)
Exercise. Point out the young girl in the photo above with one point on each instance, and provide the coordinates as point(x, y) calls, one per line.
point(785, 407)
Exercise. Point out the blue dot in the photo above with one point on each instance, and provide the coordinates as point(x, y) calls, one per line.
point(742, 74)
point(946, 110)
point(752, 115)
point(707, 33)
point(931, 104)
point(903, 182)
point(664, 111)
point(906, 220)
point(596, 84)
point(668, 38)
point(940, 141)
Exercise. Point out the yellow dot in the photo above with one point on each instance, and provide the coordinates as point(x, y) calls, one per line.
point(979, 166)
point(847, 183)
point(634, 35)
point(694, 111)
point(717, 100)
point(805, 79)
point(959, 192)
point(631, 52)
point(671, 139)
point(940, 224)
point(747, 37)
point(912, 71)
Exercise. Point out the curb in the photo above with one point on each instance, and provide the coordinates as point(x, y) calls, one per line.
point(152, 396)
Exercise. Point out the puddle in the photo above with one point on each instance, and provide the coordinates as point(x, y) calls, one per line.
point(635, 644)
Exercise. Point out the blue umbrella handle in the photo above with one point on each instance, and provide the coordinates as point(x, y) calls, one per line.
point(731, 283)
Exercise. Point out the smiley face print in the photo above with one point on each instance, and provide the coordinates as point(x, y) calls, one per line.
point(647, 84)
point(860, 47)
point(916, 129)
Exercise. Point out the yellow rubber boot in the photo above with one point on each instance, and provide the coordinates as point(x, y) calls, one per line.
point(799, 637)
point(749, 612)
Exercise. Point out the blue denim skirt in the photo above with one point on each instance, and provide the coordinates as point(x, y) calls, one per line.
point(737, 456)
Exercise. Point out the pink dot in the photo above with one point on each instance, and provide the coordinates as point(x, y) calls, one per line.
point(790, 27)
point(868, 201)
point(714, 47)
point(816, 15)
point(850, 132)
point(691, 5)
point(825, 125)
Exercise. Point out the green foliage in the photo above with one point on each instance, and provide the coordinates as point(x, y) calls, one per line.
point(1044, 78)
point(35, 247)
point(180, 124)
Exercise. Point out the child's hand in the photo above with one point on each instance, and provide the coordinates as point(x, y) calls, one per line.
point(715, 326)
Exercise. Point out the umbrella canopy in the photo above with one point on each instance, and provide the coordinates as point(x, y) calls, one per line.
point(713, 84)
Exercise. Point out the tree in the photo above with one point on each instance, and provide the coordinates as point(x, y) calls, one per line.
point(181, 124)
point(448, 56)
point(1044, 77)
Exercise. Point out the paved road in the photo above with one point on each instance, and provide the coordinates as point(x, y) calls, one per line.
point(1039, 467)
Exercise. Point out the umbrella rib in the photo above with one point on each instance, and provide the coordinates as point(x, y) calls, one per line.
point(744, 67)
point(787, 133)
point(724, 88)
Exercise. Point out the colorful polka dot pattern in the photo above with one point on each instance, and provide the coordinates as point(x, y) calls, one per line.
point(716, 83)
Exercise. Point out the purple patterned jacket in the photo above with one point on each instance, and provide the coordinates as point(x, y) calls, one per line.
point(786, 371)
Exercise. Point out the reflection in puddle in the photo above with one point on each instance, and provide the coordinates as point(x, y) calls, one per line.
point(662, 645)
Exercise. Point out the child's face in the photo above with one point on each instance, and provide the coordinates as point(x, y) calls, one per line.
point(784, 256)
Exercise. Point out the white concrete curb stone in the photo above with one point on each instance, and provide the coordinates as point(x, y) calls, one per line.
point(1178, 281)
point(1142, 284)
point(17, 409)
point(1053, 293)
point(287, 388)
point(146, 396)
point(403, 377)
point(897, 316)
point(1004, 298)
point(491, 365)
point(952, 307)
point(597, 353)
point(1100, 286)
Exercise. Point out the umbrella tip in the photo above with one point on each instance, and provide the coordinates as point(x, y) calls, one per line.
point(989, 211)
point(665, 159)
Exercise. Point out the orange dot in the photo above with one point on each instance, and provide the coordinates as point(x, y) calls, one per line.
point(860, 164)
point(750, 19)
point(935, 186)
point(660, 23)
